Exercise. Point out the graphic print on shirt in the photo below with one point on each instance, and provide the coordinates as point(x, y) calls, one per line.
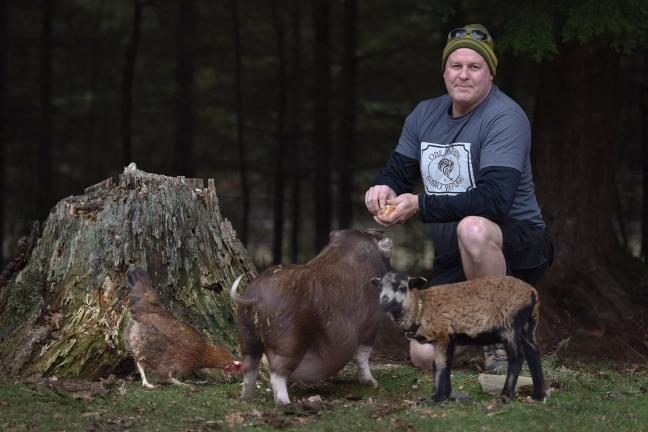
point(446, 169)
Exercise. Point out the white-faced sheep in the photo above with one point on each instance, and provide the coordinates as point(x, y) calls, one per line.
point(493, 309)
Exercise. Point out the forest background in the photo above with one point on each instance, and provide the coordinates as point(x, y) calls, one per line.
point(294, 106)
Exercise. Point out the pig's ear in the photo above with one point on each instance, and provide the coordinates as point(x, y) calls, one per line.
point(385, 245)
point(377, 282)
point(416, 283)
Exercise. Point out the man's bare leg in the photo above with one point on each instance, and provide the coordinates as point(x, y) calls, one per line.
point(480, 244)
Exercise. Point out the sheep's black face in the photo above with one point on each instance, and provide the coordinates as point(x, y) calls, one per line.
point(393, 293)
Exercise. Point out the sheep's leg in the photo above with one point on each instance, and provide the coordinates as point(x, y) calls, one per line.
point(535, 367)
point(442, 367)
point(251, 365)
point(145, 383)
point(514, 366)
point(364, 373)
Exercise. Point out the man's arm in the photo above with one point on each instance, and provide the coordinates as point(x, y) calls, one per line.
point(401, 174)
point(492, 198)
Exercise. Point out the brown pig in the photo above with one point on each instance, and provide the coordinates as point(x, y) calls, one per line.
point(311, 319)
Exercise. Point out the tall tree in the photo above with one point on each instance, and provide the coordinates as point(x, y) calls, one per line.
point(4, 46)
point(321, 85)
point(346, 140)
point(45, 140)
point(296, 130)
point(280, 134)
point(128, 77)
point(575, 129)
point(643, 112)
point(242, 154)
point(185, 88)
point(575, 148)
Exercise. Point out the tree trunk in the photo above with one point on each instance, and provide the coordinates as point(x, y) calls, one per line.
point(296, 132)
point(63, 313)
point(574, 152)
point(643, 104)
point(4, 46)
point(245, 189)
point(346, 143)
point(128, 76)
point(45, 140)
point(322, 121)
point(279, 152)
point(185, 87)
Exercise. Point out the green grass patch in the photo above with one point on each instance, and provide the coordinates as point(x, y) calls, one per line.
point(584, 398)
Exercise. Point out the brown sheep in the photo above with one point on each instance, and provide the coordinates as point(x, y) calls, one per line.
point(493, 309)
point(310, 320)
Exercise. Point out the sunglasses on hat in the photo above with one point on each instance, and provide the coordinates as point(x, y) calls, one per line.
point(460, 33)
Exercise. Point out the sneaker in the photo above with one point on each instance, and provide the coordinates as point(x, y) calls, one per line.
point(495, 360)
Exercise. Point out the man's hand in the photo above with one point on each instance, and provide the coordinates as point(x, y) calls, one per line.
point(401, 208)
point(376, 198)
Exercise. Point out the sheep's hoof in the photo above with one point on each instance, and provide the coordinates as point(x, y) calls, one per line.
point(436, 397)
point(542, 397)
point(504, 398)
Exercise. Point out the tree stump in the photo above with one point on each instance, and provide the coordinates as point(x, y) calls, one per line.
point(62, 300)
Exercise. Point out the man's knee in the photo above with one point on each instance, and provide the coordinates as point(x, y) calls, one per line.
point(476, 233)
point(421, 355)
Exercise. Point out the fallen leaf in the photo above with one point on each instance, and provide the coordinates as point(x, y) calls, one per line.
point(213, 424)
point(235, 418)
point(493, 406)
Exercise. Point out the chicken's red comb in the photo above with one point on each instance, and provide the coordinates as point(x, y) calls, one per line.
point(234, 367)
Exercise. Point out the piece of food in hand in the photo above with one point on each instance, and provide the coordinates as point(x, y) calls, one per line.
point(387, 210)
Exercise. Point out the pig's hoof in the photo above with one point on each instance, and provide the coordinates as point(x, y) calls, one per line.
point(369, 382)
point(282, 402)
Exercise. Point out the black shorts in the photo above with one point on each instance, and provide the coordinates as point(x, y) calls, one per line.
point(528, 252)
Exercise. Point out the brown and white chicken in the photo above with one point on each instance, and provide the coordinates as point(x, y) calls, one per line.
point(161, 343)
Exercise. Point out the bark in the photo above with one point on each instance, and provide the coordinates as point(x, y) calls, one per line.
point(322, 121)
point(45, 139)
point(296, 131)
point(63, 313)
point(128, 77)
point(279, 146)
point(575, 148)
point(347, 115)
point(4, 46)
point(185, 85)
point(242, 152)
point(644, 140)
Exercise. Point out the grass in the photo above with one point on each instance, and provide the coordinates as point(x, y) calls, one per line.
point(585, 398)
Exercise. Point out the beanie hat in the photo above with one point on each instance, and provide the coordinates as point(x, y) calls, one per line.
point(485, 48)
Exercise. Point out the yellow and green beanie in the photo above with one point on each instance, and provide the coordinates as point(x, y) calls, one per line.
point(484, 48)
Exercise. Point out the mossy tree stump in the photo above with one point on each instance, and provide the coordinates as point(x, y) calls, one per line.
point(62, 300)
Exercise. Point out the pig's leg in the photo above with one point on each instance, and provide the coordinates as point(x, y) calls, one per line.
point(278, 382)
point(364, 374)
point(251, 365)
point(281, 367)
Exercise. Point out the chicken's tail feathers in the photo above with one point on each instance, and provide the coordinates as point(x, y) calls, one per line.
point(236, 297)
point(134, 276)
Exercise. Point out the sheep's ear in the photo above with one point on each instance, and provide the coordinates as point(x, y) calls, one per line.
point(377, 282)
point(416, 283)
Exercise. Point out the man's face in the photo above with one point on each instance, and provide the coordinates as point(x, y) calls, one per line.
point(467, 79)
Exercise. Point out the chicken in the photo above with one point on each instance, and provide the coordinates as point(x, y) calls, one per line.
point(161, 343)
